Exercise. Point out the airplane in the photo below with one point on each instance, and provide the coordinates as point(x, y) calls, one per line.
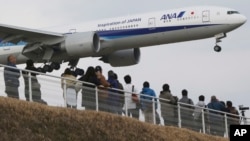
point(117, 41)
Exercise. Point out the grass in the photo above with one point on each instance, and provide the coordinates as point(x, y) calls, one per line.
point(26, 121)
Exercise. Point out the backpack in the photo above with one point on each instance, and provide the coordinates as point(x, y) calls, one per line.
point(190, 102)
point(134, 96)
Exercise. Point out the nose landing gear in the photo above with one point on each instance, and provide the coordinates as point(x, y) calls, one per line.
point(218, 38)
point(217, 48)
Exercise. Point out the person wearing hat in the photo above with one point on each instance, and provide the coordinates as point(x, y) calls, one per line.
point(35, 85)
point(101, 77)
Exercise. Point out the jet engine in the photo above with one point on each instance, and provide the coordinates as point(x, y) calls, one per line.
point(81, 44)
point(120, 58)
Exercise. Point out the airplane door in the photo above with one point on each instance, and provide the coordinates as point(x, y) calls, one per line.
point(151, 23)
point(206, 16)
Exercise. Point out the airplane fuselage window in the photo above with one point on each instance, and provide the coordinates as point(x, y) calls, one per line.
point(187, 18)
point(120, 27)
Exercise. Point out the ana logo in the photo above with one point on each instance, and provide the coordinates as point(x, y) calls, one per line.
point(172, 16)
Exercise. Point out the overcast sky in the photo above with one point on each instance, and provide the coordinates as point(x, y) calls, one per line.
point(189, 65)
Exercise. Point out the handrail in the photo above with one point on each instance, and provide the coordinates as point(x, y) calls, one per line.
point(95, 101)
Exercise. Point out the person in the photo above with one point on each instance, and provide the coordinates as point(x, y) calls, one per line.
point(186, 110)
point(113, 97)
point(147, 95)
point(11, 78)
point(102, 89)
point(88, 90)
point(198, 113)
point(120, 96)
point(131, 106)
point(232, 110)
point(69, 84)
point(35, 85)
point(168, 104)
point(215, 117)
point(232, 119)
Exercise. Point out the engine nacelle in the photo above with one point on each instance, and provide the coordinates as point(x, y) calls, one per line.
point(82, 44)
point(120, 58)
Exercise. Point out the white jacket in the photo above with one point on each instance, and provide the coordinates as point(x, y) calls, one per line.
point(128, 96)
point(198, 110)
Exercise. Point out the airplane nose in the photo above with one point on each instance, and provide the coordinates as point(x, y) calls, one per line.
point(242, 19)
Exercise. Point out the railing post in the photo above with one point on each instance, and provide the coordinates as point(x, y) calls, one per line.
point(226, 129)
point(203, 121)
point(153, 106)
point(179, 114)
point(126, 105)
point(64, 92)
point(153, 109)
point(30, 86)
point(96, 95)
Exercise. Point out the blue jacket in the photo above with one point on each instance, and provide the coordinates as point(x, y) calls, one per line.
point(113, 98)
point(146, 97)
point(216, 105)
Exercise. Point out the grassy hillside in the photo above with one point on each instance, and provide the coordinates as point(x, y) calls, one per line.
point(25, 121)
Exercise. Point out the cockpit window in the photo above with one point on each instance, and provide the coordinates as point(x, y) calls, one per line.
point(232, 12)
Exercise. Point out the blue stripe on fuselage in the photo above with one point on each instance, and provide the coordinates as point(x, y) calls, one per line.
point(115, 34)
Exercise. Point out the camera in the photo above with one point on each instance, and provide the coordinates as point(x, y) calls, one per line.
point(241, 107)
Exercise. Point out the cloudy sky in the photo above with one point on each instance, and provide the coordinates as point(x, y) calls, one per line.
point(189, 65)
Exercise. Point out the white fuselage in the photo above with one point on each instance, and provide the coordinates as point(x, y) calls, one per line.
point(150, 29)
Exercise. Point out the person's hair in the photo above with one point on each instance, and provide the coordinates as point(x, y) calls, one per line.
point(184, 92)
point(165, 87)
point(111, 74)
point(127, 79)
point(67, 71)
point(201, 98)
point(213, 98)
point(98, 68)
point(8, 58)
point(146, 84)
point(229, 104)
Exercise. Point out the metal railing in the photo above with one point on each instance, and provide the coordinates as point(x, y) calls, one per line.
point(54, 91)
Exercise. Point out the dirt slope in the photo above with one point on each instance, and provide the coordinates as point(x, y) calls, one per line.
point(25, 121)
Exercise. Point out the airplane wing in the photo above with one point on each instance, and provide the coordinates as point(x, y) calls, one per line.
point(47, 46)
point(15, 34)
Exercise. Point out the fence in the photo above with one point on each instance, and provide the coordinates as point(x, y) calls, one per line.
point(55, 91)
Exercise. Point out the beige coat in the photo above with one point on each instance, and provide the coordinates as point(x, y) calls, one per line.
point(167, 107)
point(69, 83)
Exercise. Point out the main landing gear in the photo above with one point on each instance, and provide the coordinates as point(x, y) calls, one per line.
point(218, 38)
point(49, 67)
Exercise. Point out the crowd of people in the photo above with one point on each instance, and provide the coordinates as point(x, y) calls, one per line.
point(128, 99)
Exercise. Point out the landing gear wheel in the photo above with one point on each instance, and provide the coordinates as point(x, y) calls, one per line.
point(55, 66)
point(47, 68)
point(79, 71)
point(217, 48)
